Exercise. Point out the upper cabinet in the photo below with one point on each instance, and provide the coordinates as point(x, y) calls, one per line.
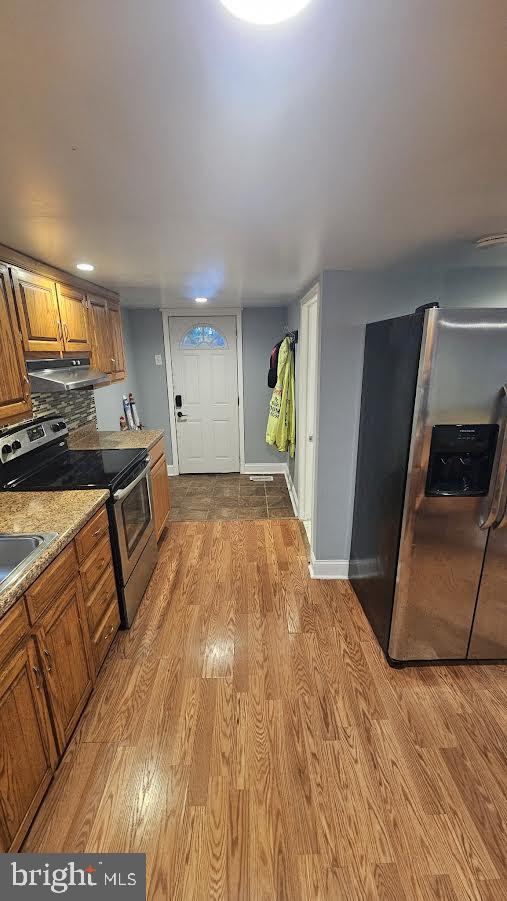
point(14, 389)
point(73, 318)
point(118, 352)
point(100, 333)
point(45, 312)
point(39, 317)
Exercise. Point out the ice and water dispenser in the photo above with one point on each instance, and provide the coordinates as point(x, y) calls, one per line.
point(461, 460)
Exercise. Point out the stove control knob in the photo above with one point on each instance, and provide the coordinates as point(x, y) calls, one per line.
point(55, 427)
point(16, 445)
point(61, 424)
point(7, 449)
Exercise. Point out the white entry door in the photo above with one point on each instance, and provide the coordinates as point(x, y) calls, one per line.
point(205, 380)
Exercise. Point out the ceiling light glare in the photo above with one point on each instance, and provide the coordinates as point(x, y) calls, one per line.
point(85, 267)
point(201, 300)
point(265, 12)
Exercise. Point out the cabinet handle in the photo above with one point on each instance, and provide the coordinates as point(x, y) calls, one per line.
point(109, 633)
point(101, 562)
point(66, 331)
point(97, 532)
point(38, 675)
point(59, 332)
point(49, 661)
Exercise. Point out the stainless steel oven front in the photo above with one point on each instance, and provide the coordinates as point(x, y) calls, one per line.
point(134, 520)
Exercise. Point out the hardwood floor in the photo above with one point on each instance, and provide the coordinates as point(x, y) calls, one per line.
point(248, 735)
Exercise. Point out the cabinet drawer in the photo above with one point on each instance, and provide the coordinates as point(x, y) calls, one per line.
point(100, 598)
point(51, 583)
point(156, 452)
point(13, 628)
point(95, 565)
point(107, 629)
point(92, 533)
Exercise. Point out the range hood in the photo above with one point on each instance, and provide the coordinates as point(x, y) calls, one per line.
point(63, 375)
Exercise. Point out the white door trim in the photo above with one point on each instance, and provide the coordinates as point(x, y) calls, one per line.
point(215, 311)
point(313, 296)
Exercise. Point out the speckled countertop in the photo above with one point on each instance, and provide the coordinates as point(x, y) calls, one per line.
point(65, 512)
point(90, 439)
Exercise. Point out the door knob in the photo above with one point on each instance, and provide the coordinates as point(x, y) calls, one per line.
point(181, 416)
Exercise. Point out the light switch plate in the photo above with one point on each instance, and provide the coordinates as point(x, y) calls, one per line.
point(158, 359)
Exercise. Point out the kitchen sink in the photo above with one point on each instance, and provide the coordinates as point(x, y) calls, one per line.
point(18, 552)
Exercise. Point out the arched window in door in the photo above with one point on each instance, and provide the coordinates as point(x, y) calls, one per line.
point(203, 336)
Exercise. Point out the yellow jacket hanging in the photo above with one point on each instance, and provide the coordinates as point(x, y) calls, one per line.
point(281, 428)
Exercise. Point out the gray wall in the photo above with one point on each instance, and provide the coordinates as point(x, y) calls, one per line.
point(147, 339)
point(262, 328)
point(348, 301)
point(108, 400)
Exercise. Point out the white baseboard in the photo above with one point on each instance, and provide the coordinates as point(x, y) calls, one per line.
point(263, 469)
point(171, 470)
point(328, 569)
point(292, 491)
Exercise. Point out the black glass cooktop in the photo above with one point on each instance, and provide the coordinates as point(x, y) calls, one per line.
point(73, 469)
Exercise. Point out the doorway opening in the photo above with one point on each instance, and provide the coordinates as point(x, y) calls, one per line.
point(307, 401)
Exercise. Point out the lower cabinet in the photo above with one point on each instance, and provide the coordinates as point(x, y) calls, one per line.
point(27, 751)
point(64, 653)
point(160, 495)
point(52, 643)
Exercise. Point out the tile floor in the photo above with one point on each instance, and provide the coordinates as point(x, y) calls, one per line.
point(225, 497)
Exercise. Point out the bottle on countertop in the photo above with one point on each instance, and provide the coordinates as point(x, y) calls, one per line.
point(128, 413)
point(133, 407)
point(123, 424)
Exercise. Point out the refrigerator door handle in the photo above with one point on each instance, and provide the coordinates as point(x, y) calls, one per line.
point(493, 513)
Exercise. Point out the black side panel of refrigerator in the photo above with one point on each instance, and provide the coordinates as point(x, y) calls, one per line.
point(391, 363)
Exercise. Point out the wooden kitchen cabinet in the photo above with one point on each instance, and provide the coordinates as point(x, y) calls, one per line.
point(160, 494)
point(64, 650)
point(15, 397)
point(118, 351)
point(27, 751)
point(39, 318)
point(74, 319)
point(100, 333)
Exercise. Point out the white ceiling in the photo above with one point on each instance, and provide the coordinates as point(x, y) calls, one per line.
point(185, 152)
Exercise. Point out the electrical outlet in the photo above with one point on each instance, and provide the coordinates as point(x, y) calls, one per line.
point(158, 359)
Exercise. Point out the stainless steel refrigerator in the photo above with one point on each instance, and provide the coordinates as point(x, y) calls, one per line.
point(429, 539)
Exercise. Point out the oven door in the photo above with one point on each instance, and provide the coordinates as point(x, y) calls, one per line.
point(134, 520)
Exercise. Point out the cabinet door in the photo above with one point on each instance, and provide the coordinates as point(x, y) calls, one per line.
point(14, 389)
point(160, 495)
point(102, 341)
point(27, 752)
point(64, 649)
point(38, 313)
point(74, 318)
point(118, 355)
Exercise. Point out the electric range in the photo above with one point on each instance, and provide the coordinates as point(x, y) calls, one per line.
point(34, 456)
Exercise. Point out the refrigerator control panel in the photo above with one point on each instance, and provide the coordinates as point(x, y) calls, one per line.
point(461, 460)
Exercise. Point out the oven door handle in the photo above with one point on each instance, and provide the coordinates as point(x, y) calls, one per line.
point(123, 492)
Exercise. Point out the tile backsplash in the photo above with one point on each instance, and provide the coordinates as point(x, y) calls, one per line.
point(76, 407)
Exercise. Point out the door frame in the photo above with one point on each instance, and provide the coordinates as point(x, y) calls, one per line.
point(311, 297)
point(214, 311)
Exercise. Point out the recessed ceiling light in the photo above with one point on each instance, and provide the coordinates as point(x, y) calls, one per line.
point(491, 241)
point(201, 300)
point(85, 267)
point(265, 12)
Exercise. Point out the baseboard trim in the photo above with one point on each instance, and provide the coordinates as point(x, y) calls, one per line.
point(171, 470)
point(328, 569)
point(264, 469)
point(292, 491)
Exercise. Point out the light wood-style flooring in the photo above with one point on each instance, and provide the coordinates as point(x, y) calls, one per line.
point(247, 735)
